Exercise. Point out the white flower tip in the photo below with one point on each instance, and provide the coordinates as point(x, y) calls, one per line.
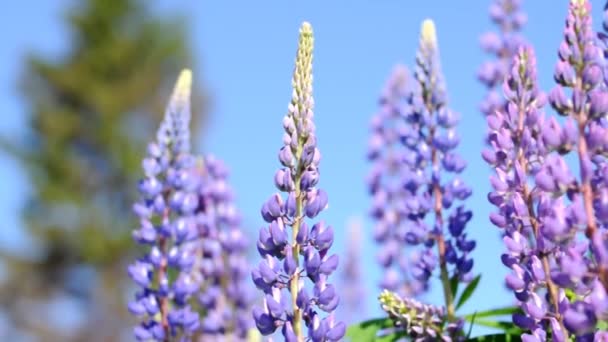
point(181, 92)
point(306, 27)
point(429, 34)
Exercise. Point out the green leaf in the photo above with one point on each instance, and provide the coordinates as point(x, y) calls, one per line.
point(367, 330)
point(468, 291)
point(602, 325)
point(497, 338)
point(390, 337)
point(506, 326)
point(454, 282)
point(493, 312)
point(471, 326)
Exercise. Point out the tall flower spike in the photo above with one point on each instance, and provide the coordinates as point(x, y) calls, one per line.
point(582, 265)
point(165, 209)
point(508, 16)
point(224, 297)
point(430, 139)
point(291, 251)
point(555, 232)
point(603, 38)
point(518, 151)
point(390, 161)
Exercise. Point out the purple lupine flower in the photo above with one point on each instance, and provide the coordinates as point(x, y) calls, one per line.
point(390, 160)
point(581, 263)
point(554, 229)
point(603, 39)
point(508, 16)
point(165, 209)
point(430, 139)
point(293, 250)
point(352, 306)
point(224, 295)
point(518, 153)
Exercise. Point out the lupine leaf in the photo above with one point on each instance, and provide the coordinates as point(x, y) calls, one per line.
point(454, 282)
point(506, 326)
point(509, 310)
point(471, 326)
point(367, 330)
point(496, 338)
point(468, 291)
point(390, 337)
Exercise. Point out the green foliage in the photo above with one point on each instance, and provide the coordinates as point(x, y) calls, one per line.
point(499, 322)
point(454, 282)
point(378, 329)
point(368, 330)
point(468, 292)
point(496, 338)
point(92, 111)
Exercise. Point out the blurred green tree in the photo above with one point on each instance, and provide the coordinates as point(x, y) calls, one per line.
point(92, 112)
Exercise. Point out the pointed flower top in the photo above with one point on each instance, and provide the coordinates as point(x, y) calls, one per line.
point(428, 68)
point(174, 130)
point(181, 91)
point(428, 34)
point(302, 76)
point(580, 7)
point(302, 102)
point(303, 68)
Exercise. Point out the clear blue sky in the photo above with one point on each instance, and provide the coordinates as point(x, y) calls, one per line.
point(244, 53)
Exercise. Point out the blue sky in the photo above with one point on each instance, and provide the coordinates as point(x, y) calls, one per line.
point(244, 55)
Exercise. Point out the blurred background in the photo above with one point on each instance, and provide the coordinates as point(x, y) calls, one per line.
point(82, 89)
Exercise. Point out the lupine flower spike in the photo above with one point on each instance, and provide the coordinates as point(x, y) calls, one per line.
point(583, 263)
point(165, 209)
point(517, 153)
point(432, 138)
point(224, 296)
point(603, 37)
point(554, 227)
point(390, 161)
point(429, 137)
point(292, 251)
point(509, 17)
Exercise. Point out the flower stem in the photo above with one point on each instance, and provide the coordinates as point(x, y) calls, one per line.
point(295, 280)
point(443, 266)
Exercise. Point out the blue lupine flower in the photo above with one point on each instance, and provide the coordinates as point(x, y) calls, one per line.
point(166, 212)
point(291, 250)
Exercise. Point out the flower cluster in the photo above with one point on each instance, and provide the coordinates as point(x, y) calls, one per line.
point(517, 152)
point(288, 240)
point(411, 210)
point(166, 213)
point(553, 221)
point(509, 18)
point(430, 137)
point(224, 294)
point(385, 183)
point(192, 276)
point(603, 39)
point(422, 322)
